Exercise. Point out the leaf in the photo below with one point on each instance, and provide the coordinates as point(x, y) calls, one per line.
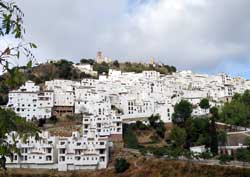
point(18, 54)
point(29, 64)
point(32, 45)
point(7, 51)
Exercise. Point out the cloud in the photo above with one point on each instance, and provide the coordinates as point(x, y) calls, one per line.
point(191, 34)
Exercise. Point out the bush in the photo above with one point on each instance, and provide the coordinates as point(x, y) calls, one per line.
point(159, 151)
point(121, 165)
point(52, 119)
point(154, 139)
point(141, 126)
point(160, 129)
point(206, 155)
point(129, 137)
point(41, 122)
point(156, 123)
point(225, 158)
point(153, 120)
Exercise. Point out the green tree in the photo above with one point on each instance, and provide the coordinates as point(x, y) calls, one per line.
point(245, 98)
point(247, 142)
point(243, 155)
point(213, 132)
point(121, 165)
point(156, 123)
point(237, 112)
point(173, 69)
point(182, 112)
point(116, 64)
point(224, 159)
point(197, 132)
point(65, 69)
point(101, 68)
point(141, 126)
point(153, 120)
point(178, 136)
point(87, 61)
point(204, 103)
point(11, 18)
point(222, 138)
point(160, 129)
point(10, 122)
point(129, 137)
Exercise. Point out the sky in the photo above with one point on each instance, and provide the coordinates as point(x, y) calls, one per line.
point(207, 36)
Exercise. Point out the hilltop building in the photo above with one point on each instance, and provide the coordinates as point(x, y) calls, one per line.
point(100, 58)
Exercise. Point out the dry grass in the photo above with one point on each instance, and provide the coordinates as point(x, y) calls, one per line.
point(142, 167)
point(64, 128)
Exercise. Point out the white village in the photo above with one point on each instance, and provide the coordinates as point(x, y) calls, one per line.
point(104, 104)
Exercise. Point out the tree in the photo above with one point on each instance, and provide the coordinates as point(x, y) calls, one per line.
point(160, 129)
point(245, 98)
point(141, 126)
point(121, 165)
point(116, 64)
point(156, 123)
point(204, 104)
point(178, 136)
point(65, 69)
point(41, 122)
point(213, 132)
point(129, 137)
point(197, 132)
point(224, 159)
point(10, 122)
point(237, 112)
point(173, 69)
point(87, 61)
point(182, 111)
point(12, 26)
point(101, 68)
point(153, 120)
point(11, 18)
point(243, 155)
point(247, 142)
point(222, 138)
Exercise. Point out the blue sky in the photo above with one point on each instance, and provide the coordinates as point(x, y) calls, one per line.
point(207, 36)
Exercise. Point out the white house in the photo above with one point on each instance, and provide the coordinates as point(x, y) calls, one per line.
point(30, 102)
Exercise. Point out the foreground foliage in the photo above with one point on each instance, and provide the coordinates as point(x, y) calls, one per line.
point(11, 19)
point(10, 122)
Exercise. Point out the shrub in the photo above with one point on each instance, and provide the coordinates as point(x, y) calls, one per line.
point(225, 158)
point(129, 137)
point(52, 119)
point(206, 155)
point(41, 122)
point(141, 126)
point(121, 165)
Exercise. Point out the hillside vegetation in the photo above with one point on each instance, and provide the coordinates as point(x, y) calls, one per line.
point(64, 69)
point(142, 168)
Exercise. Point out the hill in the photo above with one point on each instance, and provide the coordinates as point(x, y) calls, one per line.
point(142, 168)
point(63, 69)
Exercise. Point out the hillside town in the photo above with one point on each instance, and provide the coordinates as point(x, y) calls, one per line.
point(104, 104)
